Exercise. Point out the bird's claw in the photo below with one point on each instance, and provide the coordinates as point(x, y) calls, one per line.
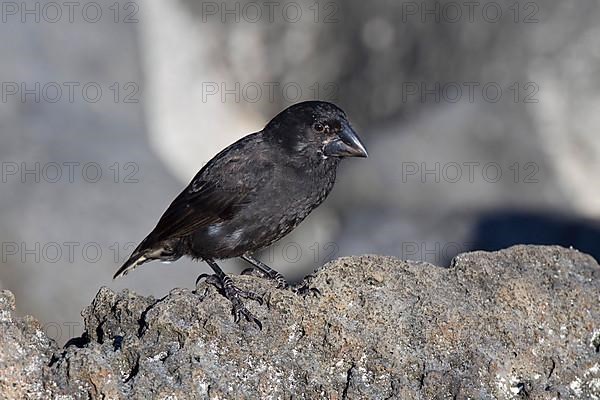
point(211, 279)
point(235, 294)
point(304, 289)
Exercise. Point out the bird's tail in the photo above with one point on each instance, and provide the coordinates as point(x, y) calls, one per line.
point(148, 250)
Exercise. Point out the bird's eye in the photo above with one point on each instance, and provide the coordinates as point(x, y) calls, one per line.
point(318, 127)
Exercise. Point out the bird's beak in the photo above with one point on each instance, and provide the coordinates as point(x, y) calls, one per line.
point(347, 144)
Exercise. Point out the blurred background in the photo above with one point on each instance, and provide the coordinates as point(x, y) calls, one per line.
point(481, 119)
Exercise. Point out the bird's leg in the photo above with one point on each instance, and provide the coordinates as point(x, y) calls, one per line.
point(233, 293)
point(268, 271)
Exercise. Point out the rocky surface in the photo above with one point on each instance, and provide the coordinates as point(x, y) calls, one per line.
point(25, 353)
point(518, 323)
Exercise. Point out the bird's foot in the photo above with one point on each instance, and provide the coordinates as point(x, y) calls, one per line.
point(303, 288)
point(234, 295)
point(282, 283)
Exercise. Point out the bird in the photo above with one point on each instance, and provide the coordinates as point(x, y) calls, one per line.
point(253, 193)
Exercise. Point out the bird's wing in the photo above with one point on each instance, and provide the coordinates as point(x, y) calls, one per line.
point(219, 191)
point(201, 204)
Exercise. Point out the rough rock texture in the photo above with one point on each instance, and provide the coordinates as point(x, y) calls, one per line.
point(518, 323)
point(25, 353)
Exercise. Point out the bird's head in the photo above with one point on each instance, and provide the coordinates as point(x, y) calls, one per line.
point(317, 127)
